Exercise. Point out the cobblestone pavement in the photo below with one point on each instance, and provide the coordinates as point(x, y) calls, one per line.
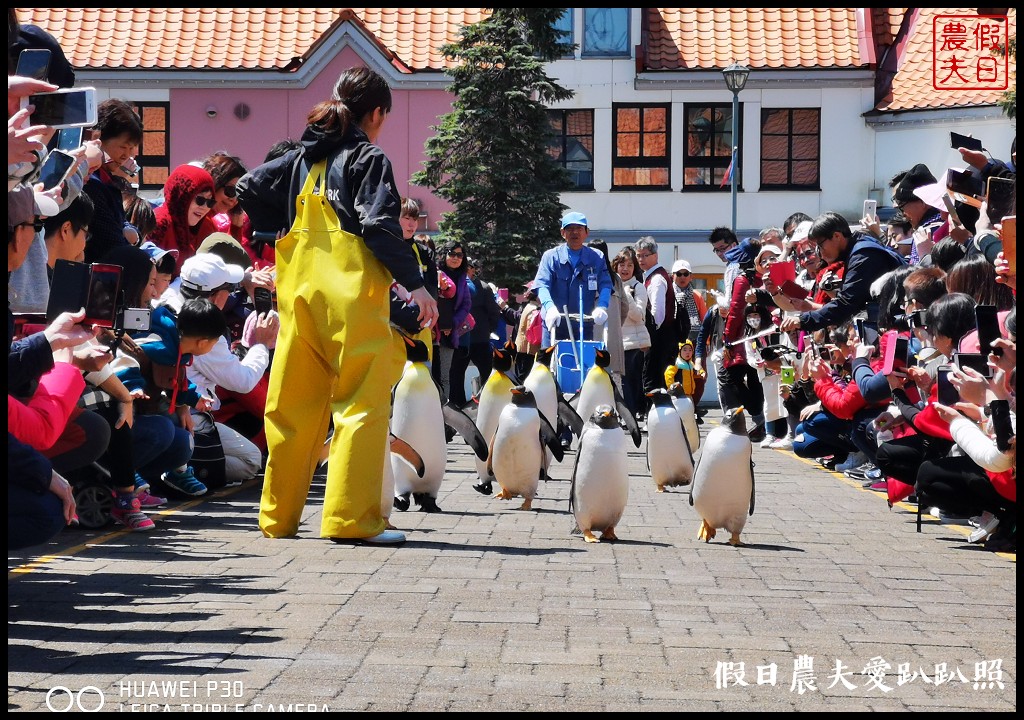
point(489, 608)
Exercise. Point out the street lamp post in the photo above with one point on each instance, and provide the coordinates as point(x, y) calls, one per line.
point(735, 79)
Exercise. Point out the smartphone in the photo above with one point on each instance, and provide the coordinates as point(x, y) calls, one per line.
point(988, 329)
point(897, 353)
point(503, 294)
point(56, 168)
point(101, 303)
point(787, 376)
point(68, 288)
point(34, 63)
point(977, 361)
point(69, 139)
point(263, 299)
point(957, 141)
point(867, 334)
point(947, 392)
point(870, 208)
point(964, 182)
point(782, 272)
point(1000, 196)
point(1008, 234)
point(68, 107)
point(951, 209)
point(1001, 424)
point(824, 353)
point(136, 319)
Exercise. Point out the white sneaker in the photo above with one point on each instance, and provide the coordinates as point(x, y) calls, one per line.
point(768, 440)
point(853, 460)
point(785, 443)
point(987, 526)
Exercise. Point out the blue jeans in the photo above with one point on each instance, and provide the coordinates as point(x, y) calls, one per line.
point(823, 434)
point(32, 519)
point(159, 445)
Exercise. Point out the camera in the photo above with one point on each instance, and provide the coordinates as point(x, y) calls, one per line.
point(97, 288)
point(909, 321)
point(832, 283)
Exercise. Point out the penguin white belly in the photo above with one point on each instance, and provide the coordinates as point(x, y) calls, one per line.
point(493, 399)
point(417, 419)
point(601, 481)
point(724, 481)
point(596, 390)
point(684, 406)
point(387, 488)
point(541, 383)
point(668, 455)
point(517, 452)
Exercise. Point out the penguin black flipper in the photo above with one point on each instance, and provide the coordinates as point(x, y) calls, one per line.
point(693, 484)
point(464, 426)
point(490, 454)
point(751, 486)
point(471, 407)
point(572, 483)
point(628, 419)
point(568, 415)
point(549, 437)
point(408, 453)
point(686, 440)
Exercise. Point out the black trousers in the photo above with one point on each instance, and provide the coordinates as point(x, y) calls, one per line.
point(480, 355)
point(958, 485)
point(901, 458)
point(740, 385)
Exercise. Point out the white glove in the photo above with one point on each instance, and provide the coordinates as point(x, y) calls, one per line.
point(551, 317)
point(600, 316)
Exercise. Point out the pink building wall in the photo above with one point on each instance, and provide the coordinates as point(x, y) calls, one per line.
point(276, 114)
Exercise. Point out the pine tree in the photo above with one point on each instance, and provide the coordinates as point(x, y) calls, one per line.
point(489, 156)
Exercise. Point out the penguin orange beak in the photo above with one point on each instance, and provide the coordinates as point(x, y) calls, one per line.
point(518, 390)
point(408, 340)
point(739, 409)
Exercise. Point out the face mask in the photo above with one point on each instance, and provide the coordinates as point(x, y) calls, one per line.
point(754, 322)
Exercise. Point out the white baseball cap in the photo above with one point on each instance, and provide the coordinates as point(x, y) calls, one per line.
point(681, 265)
point(207, 272)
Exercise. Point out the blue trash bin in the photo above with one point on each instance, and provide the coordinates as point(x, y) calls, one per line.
point(570, 377)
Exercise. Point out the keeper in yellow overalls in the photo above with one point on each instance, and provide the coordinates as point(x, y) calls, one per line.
point(336, 354)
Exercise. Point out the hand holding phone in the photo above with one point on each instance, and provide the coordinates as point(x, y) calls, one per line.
point(56, 168)
point(1001, 424)
point(870, 209)
point(67, 107)
point(34, 63)
point(947, 392)
point(957, 141)
point(1008, 236)
point(897, 352)
point(263, 299)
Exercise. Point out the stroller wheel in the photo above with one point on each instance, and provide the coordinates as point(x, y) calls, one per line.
point(94, 505)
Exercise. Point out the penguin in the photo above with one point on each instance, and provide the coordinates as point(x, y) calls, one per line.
point(494, 396)
point(600, 477)
point(401, 449)
point(417, 418)
point(687, 413)
point(723, 483)
point(599, 389)
point(668, 452)
point(516, 454)
point(550, 402)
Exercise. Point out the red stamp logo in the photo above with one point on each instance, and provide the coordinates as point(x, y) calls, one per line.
point(969, 52)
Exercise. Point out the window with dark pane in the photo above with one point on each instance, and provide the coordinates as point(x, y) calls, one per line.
point(709, 146)
point(572, 144)
point(564, 24)
point(640, 140)
point(790, 149)
point(154, 153)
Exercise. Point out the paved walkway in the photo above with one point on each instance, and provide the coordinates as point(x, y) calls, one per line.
point(487, 608)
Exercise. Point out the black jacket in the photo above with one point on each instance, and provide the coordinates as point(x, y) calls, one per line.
point(361, 188)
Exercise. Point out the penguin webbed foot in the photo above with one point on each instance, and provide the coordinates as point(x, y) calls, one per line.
point(401, 502)
point(504, 494)
point(609, 535)
point(706, 532)
point(427, 503)
point(735, 540)
point(590, 537)
point(527, 504)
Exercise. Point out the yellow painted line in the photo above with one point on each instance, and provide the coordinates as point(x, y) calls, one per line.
point(20, 570)
point(912, 509)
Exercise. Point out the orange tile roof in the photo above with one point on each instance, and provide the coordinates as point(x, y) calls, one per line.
point(710, 38)
point(885, 23)
point(240, 39)
point(912, 87)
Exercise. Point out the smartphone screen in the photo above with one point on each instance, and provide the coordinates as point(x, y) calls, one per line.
point(964, 182)
point(68, 289)
point(947, 392)
point(34, 63)
point(870, 207)
point(104, 285)
point(956, 140)
point(1000, 194)
point(1008, 234)
point(69, 139)
point(901, 358)
point(55, 169)
point(977, 361)
point(64, 108)
point(263, 300)
point(988, 328)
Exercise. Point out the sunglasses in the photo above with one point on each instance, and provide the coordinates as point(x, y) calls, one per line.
point(36, 225)
point(455, 253)
point(203, 201)
point(229, 191)
point(807, 255)
point(682, 273)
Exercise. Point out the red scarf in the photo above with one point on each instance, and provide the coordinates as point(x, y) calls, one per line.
point(172, 229)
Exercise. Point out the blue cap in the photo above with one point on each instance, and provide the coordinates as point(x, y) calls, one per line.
point(574, 218)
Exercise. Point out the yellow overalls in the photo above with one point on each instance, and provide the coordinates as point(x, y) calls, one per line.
point(336, 355)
